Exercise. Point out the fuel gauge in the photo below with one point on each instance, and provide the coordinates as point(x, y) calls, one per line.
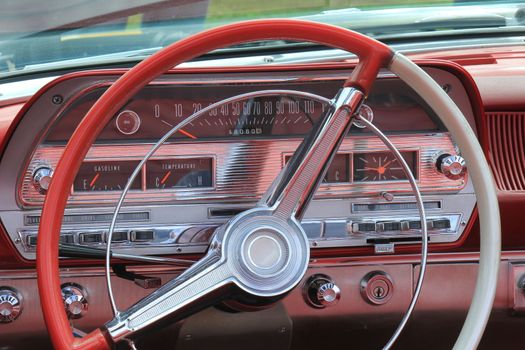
point(105, 176)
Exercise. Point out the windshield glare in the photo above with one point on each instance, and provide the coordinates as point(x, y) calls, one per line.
point(36, 34)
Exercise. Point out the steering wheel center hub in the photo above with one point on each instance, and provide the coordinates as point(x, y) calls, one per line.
point(268, 255)
point(265, 251)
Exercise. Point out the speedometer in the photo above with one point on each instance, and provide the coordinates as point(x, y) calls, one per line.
point(254, 117)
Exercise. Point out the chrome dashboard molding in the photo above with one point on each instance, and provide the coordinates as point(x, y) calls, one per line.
point(325, 210)
point(252, 158)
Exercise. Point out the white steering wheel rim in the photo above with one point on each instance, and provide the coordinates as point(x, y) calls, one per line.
point(487, 201)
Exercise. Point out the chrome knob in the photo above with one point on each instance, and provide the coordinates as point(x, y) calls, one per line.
point(320, 291)
point(42, 178)
point(75, 300)
point(10, 304)
point(451, 166)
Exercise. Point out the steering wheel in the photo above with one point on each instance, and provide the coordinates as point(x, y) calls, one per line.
point(234, 256)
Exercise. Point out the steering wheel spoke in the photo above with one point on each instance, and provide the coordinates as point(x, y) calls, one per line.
point(202, 283)
point(293, 189)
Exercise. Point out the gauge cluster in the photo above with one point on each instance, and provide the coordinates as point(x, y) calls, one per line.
point(223, 162)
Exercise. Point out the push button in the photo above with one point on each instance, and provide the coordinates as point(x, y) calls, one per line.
point(441, 224)
point(142, 235)
point(88, 238)
point(358, 227)
point(389, 226)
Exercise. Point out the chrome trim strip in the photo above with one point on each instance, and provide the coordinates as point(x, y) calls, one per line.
point(256, 156)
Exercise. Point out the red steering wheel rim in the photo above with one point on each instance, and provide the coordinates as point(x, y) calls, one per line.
point(372, 56)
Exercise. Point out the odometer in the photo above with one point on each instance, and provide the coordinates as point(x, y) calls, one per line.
point(105, 176)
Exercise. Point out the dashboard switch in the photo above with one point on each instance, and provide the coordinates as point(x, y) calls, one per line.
point(75, 300)
point(10, 304)
point(97, 237)
point(320, 291)
point(451, 166)
point(388, 226)
point(358, 227)
point(142, 235)
point(441, 224)
point(42, 178)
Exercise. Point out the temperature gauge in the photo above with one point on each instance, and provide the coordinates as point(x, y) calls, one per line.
point(179, 173)
point(105, 176)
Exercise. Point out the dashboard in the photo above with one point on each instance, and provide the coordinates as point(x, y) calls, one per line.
point(357, 225)
point(221, 163)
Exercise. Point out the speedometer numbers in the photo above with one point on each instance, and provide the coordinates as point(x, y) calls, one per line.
point(261, 116)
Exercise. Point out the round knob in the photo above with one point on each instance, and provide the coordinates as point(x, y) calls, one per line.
point(10, 304)
point(42, 178)
point(321, 291)
point(451, 166)
point(75, 300)
point(328, 294)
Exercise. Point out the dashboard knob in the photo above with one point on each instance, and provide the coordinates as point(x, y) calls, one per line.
point(75, 300)
point(42, 178)
point(320, 291)
point(10, 304)
point(451, 166)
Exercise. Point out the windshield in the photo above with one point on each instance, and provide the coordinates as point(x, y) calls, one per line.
point(37, 34)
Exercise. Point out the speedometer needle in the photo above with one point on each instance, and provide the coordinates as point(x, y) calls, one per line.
point(184, 132)
point(95, 178)
point(165, 178)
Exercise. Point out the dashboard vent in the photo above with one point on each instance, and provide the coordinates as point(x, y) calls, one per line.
point(507, 149)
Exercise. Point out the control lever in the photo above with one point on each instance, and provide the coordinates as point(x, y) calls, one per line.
point(145, 282)
point(78, 251)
